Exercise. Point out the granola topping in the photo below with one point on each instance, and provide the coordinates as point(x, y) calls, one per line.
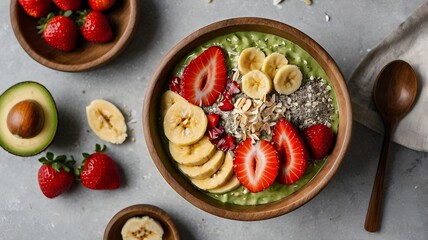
point(253, 118)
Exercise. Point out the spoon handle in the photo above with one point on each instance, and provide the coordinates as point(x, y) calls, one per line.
point(375, 205)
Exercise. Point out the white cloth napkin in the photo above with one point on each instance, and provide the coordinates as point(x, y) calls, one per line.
point(408, 42)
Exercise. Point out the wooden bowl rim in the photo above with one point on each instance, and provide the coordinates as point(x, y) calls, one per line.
point(313, 187)
point(143, 210)
point(105, 58)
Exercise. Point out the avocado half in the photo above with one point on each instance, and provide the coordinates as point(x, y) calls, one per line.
point(28, 146)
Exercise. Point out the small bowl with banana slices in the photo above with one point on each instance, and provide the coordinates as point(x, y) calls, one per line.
point(247, 118)
point(141, 221)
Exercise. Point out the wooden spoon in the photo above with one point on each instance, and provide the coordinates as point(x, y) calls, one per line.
point(394, 93)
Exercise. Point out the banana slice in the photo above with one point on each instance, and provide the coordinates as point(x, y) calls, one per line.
point(288, 79)
point(168, 99)
point(205, 170)
point(106, 121)
point(194, 154)
point(142, 228)
point(250, 59)
point(256, 84)
point(272, 63)
point(231, 184)
point(218, 178)
point(184, 123)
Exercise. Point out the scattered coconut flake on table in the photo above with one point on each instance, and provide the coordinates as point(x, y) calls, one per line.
point(327, 17)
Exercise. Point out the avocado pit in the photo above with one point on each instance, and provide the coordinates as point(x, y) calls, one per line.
point(26, 119)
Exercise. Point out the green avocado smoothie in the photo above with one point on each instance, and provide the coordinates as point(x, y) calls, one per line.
point(232, 45)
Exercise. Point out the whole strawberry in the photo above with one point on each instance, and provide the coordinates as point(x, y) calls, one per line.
point(68, 4)
point(55, 175)
point(319, 139)
point(95, 26)
point(99, 171)
point(36, 8)
point(101, 5)
point(59, 32)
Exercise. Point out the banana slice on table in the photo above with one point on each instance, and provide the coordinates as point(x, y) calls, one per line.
point(218, 178)
point(288, 79)
point(184, 123)
point(256, 84)
point(272, 63)
point(168, 99)
point(250, 59)
point(231, 184)
point(205, 170)
point(142, 228)
point(194, 154)
point(106, 121)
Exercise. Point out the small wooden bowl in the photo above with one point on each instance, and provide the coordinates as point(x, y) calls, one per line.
point(114, 227)
point(181, 184)
point(122, 16)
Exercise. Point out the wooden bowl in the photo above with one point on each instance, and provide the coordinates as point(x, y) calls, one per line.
point(114, 227)
point(86, 55)
point(181, 184)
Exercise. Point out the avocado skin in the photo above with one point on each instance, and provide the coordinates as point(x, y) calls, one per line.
point(33, 146)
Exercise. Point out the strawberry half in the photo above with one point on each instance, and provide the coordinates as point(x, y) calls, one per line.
point(256, 166)
point(55, 175)
point(292, 151)
point(204, 79)
point(320, 140)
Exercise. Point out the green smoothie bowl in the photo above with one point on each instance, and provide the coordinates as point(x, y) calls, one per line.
point(247, 118)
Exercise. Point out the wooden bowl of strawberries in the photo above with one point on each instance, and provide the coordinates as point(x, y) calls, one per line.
point(247, 118)
point(73, 35)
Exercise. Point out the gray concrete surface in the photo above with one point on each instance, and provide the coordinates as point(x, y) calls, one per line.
point(338, 212)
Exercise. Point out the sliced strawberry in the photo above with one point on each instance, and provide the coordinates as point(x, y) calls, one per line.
point(292, 151)
point(320, 140)
point(174, 84)
point(256, 166)
point(226, 105)
point(213, 120)
point(205, 77)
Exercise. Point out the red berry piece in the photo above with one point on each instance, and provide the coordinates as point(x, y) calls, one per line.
point(320, 139)
point(225, 105)
point(227, 144)
point(216, 132)
point(292, 151)
point(204, 79)
point(174, 84)
point(256, 166)
point(213, 120)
